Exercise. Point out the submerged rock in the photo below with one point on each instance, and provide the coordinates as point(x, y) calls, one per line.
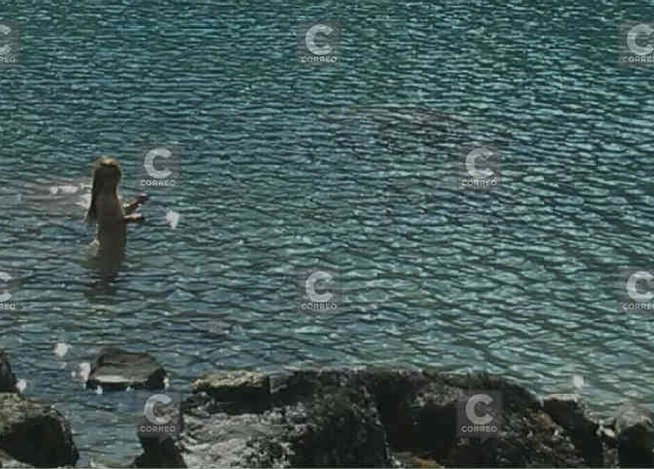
point(374, 418)
point(34, 433)
point(7, 377)
point(116, 370)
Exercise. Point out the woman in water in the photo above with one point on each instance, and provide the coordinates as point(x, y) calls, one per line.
point(110, 215)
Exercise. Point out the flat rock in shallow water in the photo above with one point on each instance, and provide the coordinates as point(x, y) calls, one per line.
point(34, 433)
point(7, 378)
point(116, 370)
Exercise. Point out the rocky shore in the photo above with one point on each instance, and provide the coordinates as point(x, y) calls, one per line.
point(337, 418)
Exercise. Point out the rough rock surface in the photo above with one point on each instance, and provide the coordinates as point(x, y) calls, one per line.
point(33, 433)
point(7, 461)
point(373, 418)
point(243, 389)
point(337, 427)
point(159, 439)
point(116, 370)
point(634, 428)
point(568, 411)
point(7, 378)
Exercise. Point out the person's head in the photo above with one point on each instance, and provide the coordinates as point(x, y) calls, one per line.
point(106, 176)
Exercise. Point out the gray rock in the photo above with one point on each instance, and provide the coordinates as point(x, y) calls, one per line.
point(334, 426)
point(35, 434)
point(7, 378)
point(634, 428)
point(159, 440)
point(237, 391)
point(7, 461)
point(568, 411)
point(116, 370)
point(425, 407)
point(369, 417)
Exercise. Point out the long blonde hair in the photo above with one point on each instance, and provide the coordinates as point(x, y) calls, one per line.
point(106, 174)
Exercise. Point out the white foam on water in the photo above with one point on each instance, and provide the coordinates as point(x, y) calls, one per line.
point(83, 372)
point(172, 218)
point(61, 349)
point(98, 390)
point(84, 200)
point(578, 381)
point(21, 385)
point(65, 189)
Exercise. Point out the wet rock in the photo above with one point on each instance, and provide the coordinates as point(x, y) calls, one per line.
point(428, 414)
point(7, 378)
point(237, 391)
point(374, 418)
point(34, 433)
point(609, 441)
point(159, 453)
point(116, 370)
point(568, 411)
point(336, 427)
point(634, 428)
point(7, 461)
point(333, 426)
point(159, 435)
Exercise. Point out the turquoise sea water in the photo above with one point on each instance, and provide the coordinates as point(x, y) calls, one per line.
point(288, 168)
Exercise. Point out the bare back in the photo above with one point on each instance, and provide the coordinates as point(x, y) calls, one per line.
point(112, 228)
